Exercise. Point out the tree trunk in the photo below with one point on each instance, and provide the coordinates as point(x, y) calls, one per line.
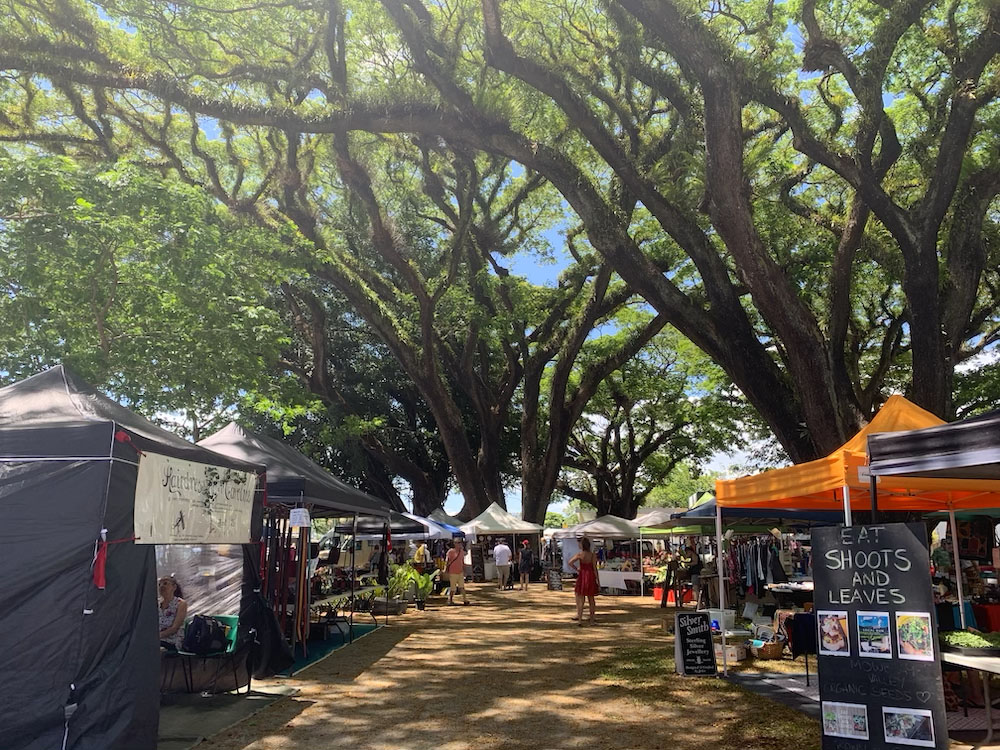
point(932, 377)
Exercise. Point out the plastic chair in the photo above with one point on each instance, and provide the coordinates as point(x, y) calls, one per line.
point(232, 628)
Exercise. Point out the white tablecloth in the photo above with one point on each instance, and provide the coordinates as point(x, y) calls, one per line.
point(615, 579)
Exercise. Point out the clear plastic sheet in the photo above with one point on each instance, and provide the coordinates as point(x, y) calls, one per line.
point(210, 575)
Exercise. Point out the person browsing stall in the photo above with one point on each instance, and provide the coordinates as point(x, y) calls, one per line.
point(173, 610)
point(454, 566)
point(501, 557)
point(525, 559)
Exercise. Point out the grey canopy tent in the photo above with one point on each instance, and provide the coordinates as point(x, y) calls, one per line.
point(78, 631)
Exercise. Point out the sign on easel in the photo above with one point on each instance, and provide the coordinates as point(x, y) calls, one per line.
point(694, 650)
point(879, 663)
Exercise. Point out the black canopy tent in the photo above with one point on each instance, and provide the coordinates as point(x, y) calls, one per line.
point(969, 449)
point(369, 525)
point(81, 663)
point(293, 480)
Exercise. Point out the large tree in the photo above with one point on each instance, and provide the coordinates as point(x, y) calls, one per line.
point(664, 408)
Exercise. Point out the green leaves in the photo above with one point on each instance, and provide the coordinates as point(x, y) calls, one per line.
point(140, 284)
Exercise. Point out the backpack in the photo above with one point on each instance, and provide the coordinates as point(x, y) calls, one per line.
point(204, 635)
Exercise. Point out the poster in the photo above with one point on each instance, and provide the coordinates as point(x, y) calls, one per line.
point(916, 635)
point(874, 635)
point(848, 720)
point(908, 726)
point(834, 633)
point(185, 502)
point(880, 679)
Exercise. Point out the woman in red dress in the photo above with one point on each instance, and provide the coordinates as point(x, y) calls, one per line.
point(587, 584)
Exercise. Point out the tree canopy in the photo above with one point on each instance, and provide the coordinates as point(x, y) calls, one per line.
point(805, 190)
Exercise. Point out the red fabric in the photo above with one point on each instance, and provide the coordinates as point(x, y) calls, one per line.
point(123, 437)
point(586, 581)
point(388, 540)
point(100, 565)
point(101, 559)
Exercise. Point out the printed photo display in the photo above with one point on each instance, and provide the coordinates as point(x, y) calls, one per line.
point(908, 726)
point(849, 720)
point(874, 635)
point(913, 632)
point(833, 633)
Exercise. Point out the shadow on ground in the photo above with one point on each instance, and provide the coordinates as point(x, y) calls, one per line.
point(513, 671)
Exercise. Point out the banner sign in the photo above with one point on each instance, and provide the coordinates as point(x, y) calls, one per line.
point(184, 502)
point(694, 650)
point(879, 672)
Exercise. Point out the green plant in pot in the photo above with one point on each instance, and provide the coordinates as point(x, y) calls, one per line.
point(399, 581)
point(423, 586)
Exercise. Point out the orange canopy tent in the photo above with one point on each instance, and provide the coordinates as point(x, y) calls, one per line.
point(841, 480)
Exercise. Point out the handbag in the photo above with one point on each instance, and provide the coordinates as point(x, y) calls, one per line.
point(204, 635)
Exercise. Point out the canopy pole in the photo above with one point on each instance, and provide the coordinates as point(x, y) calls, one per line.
point(873, 489)
point(354, 572)
point(385, 545)
point(847, 505)
point(642, 574)
point(722, 589)
point(958, 564)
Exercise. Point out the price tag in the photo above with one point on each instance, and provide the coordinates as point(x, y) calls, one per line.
point(299, 517)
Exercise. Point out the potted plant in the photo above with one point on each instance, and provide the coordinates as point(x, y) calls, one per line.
point(423, 585)
point(398, 584)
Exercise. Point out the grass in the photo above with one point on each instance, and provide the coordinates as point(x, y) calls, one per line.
point(647, 675)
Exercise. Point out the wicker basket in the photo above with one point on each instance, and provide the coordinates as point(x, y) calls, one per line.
point(772, 650)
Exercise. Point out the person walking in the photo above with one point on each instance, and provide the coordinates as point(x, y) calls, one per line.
point(501, 557)
point(525, 559)
point(454, 566)
point(587, 583)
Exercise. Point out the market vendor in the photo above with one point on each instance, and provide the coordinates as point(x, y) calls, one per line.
point(173, 609)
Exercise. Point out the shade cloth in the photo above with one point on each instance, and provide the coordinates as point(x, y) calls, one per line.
point(820, 484)
point(495, 520)
point(703, 516)
point(291, 477)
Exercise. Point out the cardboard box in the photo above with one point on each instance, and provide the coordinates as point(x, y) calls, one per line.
point(734, 652)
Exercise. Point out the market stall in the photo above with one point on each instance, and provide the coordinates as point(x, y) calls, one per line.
point(491, 524)
point(615, 573)
point(298, 490)
point(89, 488)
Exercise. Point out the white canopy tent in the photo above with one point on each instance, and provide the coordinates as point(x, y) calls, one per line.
point(495, 520)
point(605, 527)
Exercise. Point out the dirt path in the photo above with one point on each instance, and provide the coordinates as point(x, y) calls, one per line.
point(512, 671)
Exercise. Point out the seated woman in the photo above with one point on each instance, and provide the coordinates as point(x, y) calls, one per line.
point(173, 610)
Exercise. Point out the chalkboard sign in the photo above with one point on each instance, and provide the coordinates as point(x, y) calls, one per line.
point(694, 650)
point(879, 672)
point(478, 564)
point(554, 578)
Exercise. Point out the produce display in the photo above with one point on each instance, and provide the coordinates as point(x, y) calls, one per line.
point(970, 639)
